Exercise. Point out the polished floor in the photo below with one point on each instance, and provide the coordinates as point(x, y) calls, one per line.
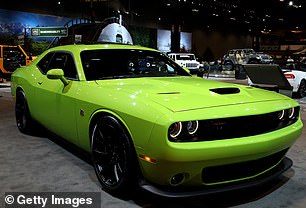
point(41, 164)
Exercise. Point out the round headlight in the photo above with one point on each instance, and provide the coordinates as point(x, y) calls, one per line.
point(175, 129)
point(192, 127)
point(281, 114)
point(290, 113)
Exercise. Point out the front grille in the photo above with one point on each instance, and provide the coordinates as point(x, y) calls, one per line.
point(191, 65)
point(237, 127)
point(227, 173)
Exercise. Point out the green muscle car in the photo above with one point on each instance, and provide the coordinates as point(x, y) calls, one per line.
point(148, 123)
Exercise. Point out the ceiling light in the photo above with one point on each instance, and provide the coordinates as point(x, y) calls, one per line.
point(195, 10)
point(296, 31)
point(290, 3)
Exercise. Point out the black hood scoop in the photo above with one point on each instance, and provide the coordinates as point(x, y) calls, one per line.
point(226, 91)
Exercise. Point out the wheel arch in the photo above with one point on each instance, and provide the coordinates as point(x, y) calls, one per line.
point(228, 61)
point(96, 115)
point(19, 89)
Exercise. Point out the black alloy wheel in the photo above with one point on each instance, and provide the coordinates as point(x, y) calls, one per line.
point(23, 118)
point(228, 66)
point(302, 89)
point(113, 156)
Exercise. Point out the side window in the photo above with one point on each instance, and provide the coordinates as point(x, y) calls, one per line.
point(65, 62)
point(43, 64)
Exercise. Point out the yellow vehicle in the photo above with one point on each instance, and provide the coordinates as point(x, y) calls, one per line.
point(12, 57)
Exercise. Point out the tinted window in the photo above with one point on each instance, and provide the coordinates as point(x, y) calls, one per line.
point(64, 61)
point(44, 63)
point(59, 60)
point(113, 63)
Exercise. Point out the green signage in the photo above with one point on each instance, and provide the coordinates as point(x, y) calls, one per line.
point(49, 31)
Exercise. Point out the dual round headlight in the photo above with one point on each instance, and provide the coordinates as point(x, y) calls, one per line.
point(175, 129)
point(187, 128)
point(286, 114)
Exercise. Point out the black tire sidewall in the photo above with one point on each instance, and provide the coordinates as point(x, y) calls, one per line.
point(128, 180)
point(301, 94)
point(23, 119)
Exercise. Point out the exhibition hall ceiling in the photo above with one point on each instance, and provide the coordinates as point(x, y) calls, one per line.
point(251, 15)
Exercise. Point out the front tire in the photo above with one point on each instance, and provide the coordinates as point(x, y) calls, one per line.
point(113, 156)
point(228, 66)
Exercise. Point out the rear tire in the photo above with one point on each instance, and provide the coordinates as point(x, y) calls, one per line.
point(24, 120)
point(302, 89)
point(113, 157)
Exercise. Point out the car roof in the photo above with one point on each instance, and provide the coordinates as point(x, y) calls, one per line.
point(82, 47)
point(180, 54)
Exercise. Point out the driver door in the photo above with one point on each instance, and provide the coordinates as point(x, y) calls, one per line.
point(55, 102)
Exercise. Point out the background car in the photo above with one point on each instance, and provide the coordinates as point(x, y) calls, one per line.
point(296, 75)
point(147, 122)
point(245, 56)
point(187, 60)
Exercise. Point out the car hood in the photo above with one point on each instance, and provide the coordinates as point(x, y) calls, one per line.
point(189, 93)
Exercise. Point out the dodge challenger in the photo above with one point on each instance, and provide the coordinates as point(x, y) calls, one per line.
point(148, 123)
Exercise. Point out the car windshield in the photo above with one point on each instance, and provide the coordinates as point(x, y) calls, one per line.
point(185, 57)
point(126, 63)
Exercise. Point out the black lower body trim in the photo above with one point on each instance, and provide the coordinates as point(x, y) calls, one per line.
point(178, 192)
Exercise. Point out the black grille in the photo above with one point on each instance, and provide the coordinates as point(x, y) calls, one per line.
point(242, 170)
point(191, 65)
point(237, 127)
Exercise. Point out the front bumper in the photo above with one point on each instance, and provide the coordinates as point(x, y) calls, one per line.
point(283, 166)
point(218, 163)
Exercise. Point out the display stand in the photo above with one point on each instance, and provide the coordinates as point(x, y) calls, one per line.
point(269, 77)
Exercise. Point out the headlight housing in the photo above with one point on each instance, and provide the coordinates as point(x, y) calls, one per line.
point(186, 129)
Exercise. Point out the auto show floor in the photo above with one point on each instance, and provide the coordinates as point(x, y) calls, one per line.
point(42, 164)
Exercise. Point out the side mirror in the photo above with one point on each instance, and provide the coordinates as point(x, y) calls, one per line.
point(57, 74)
